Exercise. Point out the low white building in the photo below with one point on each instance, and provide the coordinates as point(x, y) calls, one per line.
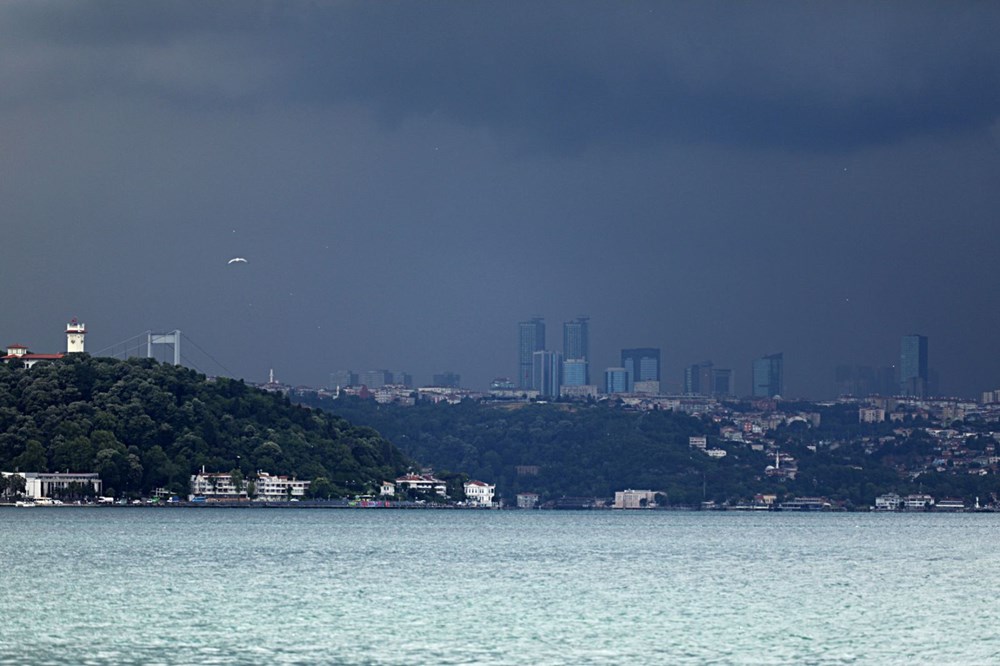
point(425, 483)
point(277, 488)
point(388, 488)
point(527, 500)
point(635, 499)
point(267, 487)
point(888, 502)
point(40, 485)
point(479, 493)
point(917, 502)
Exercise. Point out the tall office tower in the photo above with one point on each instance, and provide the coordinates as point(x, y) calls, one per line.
point(616, 380)
point(722, 382)
point(343, 378)
point(642, 365)
point(402, 379)
point(447, 380)
point(374, 379)
point(546, 371)
point(530, 338)
point(769, 376)
point(913, 373)
point(576, 372)
point(698, 379)
point(576, 341)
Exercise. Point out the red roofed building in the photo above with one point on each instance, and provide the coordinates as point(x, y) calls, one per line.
point(75, 334)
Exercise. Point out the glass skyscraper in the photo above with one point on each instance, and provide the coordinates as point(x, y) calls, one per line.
point(641, 364)
point(530, 338)
point(576, 340)
point(575, 372)
point(913, 373)
point(769, 376)
point(547, 373)
point(615, 380)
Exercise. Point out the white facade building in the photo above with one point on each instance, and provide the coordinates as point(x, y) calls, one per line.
point(424, 483)
point(635, 499)
point(267, 487)
point(479, 493)
point(42, 484)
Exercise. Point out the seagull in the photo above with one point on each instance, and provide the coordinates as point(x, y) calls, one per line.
point(237, 260)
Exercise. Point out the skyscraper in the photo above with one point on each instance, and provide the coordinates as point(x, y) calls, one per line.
point(722, 382)
point(530, 338)
point(913, 374)
point(769, 376)
point(615, 380)
point(547, 373)
point(575, 372)
point(698, 379)
point(642, 365)
point(576, 341)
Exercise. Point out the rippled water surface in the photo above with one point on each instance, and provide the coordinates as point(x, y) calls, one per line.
point(233, 586)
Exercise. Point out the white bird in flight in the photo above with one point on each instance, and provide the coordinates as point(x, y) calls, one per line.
point(237, 260)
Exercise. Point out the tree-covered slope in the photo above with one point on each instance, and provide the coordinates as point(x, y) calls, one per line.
point(578, 449)
point(144, 425)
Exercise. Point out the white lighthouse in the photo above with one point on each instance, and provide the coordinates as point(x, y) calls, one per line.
point(75, 333)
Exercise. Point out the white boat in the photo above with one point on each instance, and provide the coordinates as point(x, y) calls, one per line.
point(26, 505)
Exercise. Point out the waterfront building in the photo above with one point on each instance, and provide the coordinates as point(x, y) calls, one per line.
point(576, 341)
point(546, 373)
point(913, 373)
point(527, 500)
point(424, 483)
point(479, 493)
point(266, 487)
point(635, 499)
point(278, 488)
point(642, 364)
point(388, 488)
point(768, 376)
point(530, 339)
point(615, 380)
point(40, 485)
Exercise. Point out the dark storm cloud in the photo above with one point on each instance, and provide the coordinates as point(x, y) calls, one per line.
point(409, 179)
point(563, 75)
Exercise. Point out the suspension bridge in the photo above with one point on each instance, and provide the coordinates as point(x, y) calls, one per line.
point(167, 347)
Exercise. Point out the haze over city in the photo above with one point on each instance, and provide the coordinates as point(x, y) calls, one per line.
point(407, 181)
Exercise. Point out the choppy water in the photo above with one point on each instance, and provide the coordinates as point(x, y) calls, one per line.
point(218, 586)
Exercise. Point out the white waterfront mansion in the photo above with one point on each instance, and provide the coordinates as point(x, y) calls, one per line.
point(267, 487)
point(479, 493)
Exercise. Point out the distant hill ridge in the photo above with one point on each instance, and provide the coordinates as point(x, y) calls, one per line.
point(144, 425)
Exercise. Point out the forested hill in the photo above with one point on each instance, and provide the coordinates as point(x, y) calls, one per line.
point(558, 449)
point(144, 425)
point(586, 449)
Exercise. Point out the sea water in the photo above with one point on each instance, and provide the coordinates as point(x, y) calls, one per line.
point(241, 586)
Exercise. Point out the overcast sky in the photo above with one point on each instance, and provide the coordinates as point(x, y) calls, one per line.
point(409, 180)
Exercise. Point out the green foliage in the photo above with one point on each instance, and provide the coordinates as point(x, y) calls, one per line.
point(143, 425)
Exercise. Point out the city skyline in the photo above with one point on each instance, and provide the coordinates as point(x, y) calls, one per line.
point(312, 187)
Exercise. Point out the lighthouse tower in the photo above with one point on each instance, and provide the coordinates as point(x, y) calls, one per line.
point(75, 332)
